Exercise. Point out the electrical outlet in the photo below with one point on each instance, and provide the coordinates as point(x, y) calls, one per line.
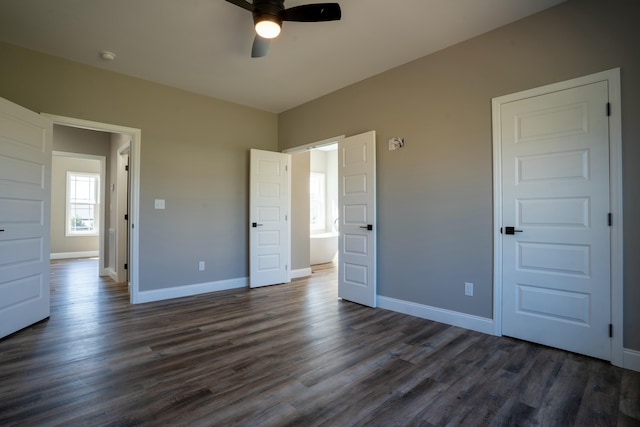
point(201, 266)
point(468, 289)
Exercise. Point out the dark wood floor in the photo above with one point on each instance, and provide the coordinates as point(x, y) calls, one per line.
point(288, 355)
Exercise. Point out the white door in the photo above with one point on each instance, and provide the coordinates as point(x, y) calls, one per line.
point(556, 259)
point(25, 184)
point(357, 201)
point(269, 225)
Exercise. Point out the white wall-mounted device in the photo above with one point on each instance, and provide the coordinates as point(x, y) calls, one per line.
point(395, 143)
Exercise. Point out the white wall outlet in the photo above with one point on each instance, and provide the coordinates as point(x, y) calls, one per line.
point(159, 203)
point(201, 266)
point(468, 289)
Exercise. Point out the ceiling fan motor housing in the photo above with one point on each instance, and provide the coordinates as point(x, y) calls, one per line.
point(268, 9)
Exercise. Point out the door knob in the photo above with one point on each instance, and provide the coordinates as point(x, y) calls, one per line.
point(255, 224)
point(510, 230)
point(367, 227)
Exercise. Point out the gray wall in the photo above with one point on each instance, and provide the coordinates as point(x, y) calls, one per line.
point(83, 141)
point(435, 195)
point(60, 243)
point(194, 154)
point(300, 168)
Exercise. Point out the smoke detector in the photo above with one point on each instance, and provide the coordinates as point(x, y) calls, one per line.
point(107, 55)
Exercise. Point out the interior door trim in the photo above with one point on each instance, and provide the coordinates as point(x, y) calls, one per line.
point(612, 77)
point(134, 165)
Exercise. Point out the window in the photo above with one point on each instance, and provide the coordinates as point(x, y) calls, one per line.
point(83, 195)
point(317, 196)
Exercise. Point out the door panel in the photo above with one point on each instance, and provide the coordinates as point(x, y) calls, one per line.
point(357, 200)
point(556, 267)
point(269, 218)
point(25, 184)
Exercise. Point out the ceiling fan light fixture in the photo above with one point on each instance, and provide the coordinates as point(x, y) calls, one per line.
point(268, 27)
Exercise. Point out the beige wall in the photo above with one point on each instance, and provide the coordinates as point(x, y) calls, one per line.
point(435, 205)
point(300, 168)
point(60, 243)
point(194, 154)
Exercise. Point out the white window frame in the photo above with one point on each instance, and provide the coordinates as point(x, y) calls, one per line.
point(95, 202)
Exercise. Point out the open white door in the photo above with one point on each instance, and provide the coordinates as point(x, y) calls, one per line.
point(25, 184)
point(357, 201)
point(269, 225)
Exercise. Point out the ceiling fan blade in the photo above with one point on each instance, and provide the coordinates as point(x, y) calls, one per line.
point(260, 47)
point(243, 4)
point(312, 13)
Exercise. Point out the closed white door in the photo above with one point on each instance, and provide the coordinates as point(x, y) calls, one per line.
point(556, 253)
point(357, 201)
point(269, 224)
point(25, 184)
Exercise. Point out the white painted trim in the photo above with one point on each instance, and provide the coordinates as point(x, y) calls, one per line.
point(313, 145)
point(189, 290)
point(301, 272)
point(134, 170)
point(120, 210)
point(631, 360)
point(112, 274)
point(68, 255)
point(449, 317)
point(497, 215)
point(618, 355)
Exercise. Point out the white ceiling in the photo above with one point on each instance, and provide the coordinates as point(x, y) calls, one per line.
point(204, 46)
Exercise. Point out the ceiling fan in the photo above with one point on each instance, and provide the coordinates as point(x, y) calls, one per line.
point(268, 16)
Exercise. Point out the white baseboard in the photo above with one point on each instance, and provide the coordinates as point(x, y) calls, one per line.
point(631, 360)
point(189, 290)
point(66, 255)
point(112, 274)
point(467, 321)
point(302, 272)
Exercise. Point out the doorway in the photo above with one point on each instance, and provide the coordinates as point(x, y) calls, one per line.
point(127, 143)
point(357, 280)
point(301, 205)
point(323, 205)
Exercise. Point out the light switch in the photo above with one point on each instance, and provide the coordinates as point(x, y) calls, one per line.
point(159, 203)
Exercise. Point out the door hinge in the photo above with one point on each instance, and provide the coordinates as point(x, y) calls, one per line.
point(286, 168)
point(126, 168)
point(608, 109)
point(126, 217)
point(610, 330)
point(126, 266)
point(610, 219)
point(286, 267)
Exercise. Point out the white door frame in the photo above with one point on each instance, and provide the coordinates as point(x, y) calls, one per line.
point(122, 186)
point(134, 170)
point(313, 145)
point(615, 190)
point(102, 269)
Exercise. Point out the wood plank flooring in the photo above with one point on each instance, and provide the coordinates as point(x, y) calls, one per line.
point(287, 355)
